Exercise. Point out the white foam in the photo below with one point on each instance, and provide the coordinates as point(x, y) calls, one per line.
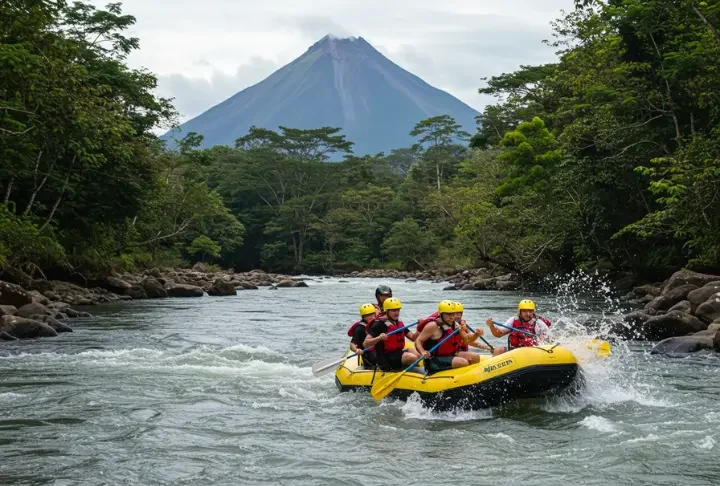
point(501, 435)
point(414, 409)
point(708, 443)
point(647, 438)
point(601, 424)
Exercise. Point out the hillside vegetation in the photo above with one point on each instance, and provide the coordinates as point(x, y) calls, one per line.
point(608, 159)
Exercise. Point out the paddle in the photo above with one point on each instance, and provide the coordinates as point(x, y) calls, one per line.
point(481, 338)
point(382, 388)
point(322, 368)
point(602, 349)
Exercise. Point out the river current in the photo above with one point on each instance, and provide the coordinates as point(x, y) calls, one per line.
point(219, 390)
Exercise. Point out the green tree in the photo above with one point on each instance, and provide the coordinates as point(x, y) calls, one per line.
point(408, 242)
point(203, 247)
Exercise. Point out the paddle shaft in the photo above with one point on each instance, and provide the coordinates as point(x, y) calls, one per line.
point(383, 389)
point(431, 350)
point(515, 330)
point(481, 338)
point(388, 334)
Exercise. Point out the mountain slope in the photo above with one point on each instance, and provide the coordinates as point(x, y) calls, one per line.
point(340, 83)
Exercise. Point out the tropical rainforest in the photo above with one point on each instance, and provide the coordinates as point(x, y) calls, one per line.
point(608, 159)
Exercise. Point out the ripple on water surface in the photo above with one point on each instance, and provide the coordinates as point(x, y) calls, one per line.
point(220, 391)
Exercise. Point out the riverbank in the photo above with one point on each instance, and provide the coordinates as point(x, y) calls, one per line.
point(42, 308)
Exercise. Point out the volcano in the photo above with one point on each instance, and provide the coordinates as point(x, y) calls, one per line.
point(337, 82)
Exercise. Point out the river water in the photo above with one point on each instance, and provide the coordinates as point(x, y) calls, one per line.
point(220, 391)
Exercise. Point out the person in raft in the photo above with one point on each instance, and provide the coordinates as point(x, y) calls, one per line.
point(448, 355)
point(358, 333)
point(469, 341)
point(527, 321)
point(381, 293)
point(390, 352)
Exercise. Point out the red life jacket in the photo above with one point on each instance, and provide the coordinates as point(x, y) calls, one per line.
point(424, 322)
point(351, 331)
point(396, 342)
point(521, 340)
point(449, 347)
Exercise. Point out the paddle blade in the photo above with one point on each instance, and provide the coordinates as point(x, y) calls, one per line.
point(322, 368)
point(602, 348)
point(382, 388)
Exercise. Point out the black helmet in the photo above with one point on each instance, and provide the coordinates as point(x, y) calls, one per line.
point(383, 290)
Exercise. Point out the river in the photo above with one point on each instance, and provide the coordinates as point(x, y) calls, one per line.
point(220, 391)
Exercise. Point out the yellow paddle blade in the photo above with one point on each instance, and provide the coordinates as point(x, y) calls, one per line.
point(602, 348)
point(382, 388)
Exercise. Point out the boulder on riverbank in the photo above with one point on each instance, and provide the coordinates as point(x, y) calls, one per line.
point(222, 288)
point(687, 303)
point(183, 290)
point(22, 328)
point(682, 346)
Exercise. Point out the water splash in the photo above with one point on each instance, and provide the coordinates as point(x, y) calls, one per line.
point(414, 409)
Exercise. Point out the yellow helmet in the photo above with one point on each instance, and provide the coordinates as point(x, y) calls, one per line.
point(459, 307)
point(391, 303)
point(526, 304)
point(446, 307)
point(366, 309)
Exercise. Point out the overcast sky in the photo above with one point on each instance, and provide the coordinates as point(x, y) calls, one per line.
point(205, 51)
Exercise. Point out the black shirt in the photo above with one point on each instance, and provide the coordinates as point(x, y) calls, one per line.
point(359, 335)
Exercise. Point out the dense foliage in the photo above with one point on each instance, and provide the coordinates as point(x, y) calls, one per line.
point(85, 183)
point(607, 159)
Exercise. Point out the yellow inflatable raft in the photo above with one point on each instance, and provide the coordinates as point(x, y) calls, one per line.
point(521, 373)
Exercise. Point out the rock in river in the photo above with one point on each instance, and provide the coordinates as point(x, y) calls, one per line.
point(221, 287)
point(25, 328)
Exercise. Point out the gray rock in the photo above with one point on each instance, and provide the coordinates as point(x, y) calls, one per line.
point(22, 328)
point(286, 283)
point(647, 289)
point(698, 296)
point(669, 325)
point(114, 284)
point(153, 288)
point(683, 345)
point(11, 294)
point(451, 287)
point(52, 322)
point(88, 301)
point(8, 310)
point(684, 277)
point(682, 306)
point(715, 326)
point(51, 295)
point(61, 316)
point(506, 285)
point(183, 290)
point(709, 310)
point(7, 337)
point(199, 267)
point(38, 297)
point(300, 284)
point(137, 291)
point(468, 286)
point(246, 285)
point(671, 297)
point(221, 287)
point(31, 309)
point(272, 287)
point(155, 272)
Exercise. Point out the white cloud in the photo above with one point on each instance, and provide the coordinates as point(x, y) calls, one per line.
point(204, 52)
